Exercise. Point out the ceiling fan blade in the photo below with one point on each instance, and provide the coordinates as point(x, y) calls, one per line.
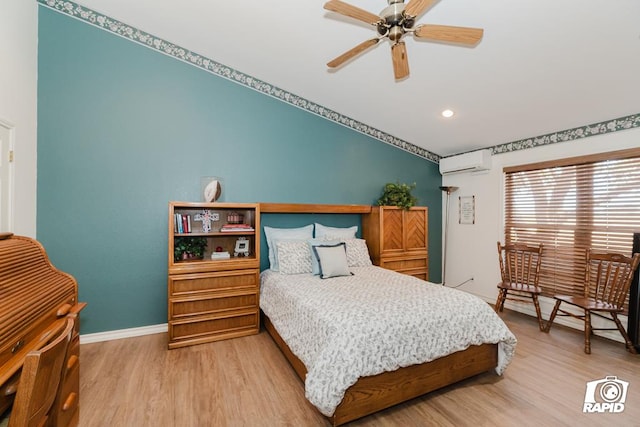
point(352, 52)
point(446, 33)
point(351, 11)
point(417, 7)
point(400, 60)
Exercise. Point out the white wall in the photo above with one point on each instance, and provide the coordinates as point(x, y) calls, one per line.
point(472, 249)
point(18, 99)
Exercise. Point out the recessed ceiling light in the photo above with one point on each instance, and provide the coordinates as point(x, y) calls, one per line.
point(447, 113)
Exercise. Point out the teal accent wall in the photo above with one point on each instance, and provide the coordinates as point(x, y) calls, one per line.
point(122, 130)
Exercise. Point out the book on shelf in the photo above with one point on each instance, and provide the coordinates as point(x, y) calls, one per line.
point(182, 223)
point(185, 224)
point(178, 223)
point(220, 255)
point(236, 227)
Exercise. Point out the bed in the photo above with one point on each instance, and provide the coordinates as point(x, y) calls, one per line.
point(373, 338)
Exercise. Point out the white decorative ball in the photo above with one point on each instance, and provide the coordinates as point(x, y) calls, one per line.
point(212, 191)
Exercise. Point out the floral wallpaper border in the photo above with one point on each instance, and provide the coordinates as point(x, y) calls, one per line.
point(123, 30)
point(609, 126)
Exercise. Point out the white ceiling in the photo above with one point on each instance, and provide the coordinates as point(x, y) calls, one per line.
point(542, 66)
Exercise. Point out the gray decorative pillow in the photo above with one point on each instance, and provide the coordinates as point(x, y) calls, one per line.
point(358, 253)
point(294, 256)
point(332, 260)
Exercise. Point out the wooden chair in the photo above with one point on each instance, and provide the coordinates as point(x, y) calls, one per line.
point(519, 269)
point(40, 378)
point(607, 281)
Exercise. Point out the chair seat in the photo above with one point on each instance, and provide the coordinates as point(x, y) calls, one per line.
point(588, 303)
point(519, 287)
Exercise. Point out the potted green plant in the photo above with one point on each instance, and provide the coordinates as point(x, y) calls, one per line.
point(185, 248)
point(396, 194)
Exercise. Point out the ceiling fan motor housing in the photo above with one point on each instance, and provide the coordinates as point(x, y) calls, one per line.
point(394, 22)
point(393, 14)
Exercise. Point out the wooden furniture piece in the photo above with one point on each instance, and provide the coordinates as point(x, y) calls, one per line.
point(519, 272)
point(40, 379)
point(311, 208)
point(35, 295)
point(375, 393)
point(214, 299)
point(606, 285)
point(397, 239)
point(372, 394)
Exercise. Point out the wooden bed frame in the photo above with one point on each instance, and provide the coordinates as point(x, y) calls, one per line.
point(374, 393)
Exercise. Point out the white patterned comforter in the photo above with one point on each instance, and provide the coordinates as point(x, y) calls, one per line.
point(377, 320)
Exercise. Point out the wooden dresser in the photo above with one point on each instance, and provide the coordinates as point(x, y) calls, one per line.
point(398, 239)
point(213, 298)
point(34, 294)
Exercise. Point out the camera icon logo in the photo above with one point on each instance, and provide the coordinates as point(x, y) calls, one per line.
point(605, 395)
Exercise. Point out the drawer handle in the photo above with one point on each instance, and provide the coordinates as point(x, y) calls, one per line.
point(72, 362)
point(64, 310)
point(17, 346)
point(68, 404)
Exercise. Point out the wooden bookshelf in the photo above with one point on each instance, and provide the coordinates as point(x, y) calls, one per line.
point(210, 298)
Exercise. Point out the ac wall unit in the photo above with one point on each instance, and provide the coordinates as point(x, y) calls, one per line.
point(468, 162)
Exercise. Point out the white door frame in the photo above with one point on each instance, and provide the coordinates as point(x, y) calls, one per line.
point(7, 175)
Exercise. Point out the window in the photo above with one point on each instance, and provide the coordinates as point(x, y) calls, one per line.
point(571, 205)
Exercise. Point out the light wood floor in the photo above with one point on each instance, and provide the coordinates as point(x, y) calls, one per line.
point(247, 382)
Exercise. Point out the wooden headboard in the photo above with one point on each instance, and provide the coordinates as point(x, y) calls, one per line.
point(289, 215)
point(312, 208)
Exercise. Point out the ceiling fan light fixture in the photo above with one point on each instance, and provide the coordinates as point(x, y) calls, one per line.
point(395, 33)
point(447, 113)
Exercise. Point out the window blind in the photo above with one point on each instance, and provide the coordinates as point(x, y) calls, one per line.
point(571, 205)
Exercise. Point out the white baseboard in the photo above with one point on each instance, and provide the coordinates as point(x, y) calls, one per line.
point(123, 333)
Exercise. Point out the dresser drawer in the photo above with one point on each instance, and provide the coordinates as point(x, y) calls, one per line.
point(420, 273)
point(209, 328)
point(404, 263)
point(216, 303)
point(189, 284)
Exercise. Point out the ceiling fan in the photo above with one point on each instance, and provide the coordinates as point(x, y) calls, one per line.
point(396, 20)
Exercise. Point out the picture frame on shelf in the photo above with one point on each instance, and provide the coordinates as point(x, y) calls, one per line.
point(242, 247)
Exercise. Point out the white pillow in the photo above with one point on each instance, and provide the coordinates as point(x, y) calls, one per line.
point(358, 253)
point(332, 260)
point(330, 233)
point(294, 256)
point(273, 234)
